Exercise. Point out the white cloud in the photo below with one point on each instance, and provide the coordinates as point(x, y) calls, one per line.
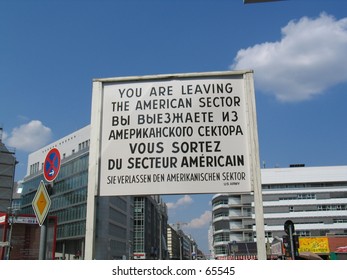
point(185, 200)
point(29, 137)
point(309, 58)
point(202, 221)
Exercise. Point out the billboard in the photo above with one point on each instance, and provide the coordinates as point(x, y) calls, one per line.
point(173, 134)
point(318, 245)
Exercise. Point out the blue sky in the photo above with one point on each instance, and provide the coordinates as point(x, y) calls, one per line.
point(51, 50)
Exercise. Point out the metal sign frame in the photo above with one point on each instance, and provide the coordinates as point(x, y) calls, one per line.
point(108, 112)
point(185, 133)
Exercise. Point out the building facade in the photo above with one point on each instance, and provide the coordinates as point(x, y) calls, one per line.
point(127, 227)
point(174, 243)
point(7, 187)
point(114, 221)
point(182, 246)
point(313, 198)
point(150, 223)
point(7, 172)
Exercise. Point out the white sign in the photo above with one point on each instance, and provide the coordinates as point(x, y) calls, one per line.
point(171, 134)
point(25, 220)
point(2, 219)
point(4, 243)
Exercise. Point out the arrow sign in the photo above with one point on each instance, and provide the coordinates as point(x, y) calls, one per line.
point(51, 165)
point(41, 203)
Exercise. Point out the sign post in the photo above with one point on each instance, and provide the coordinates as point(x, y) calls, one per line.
point(174, 134)
point(289, 229)
point(41, 205)
point(42, 202)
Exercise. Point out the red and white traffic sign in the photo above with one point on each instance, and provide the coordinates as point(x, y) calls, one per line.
point(52, 165)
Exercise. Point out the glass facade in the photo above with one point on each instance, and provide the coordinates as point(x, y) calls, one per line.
point(317, 206)
point(124, 225)
point(150, 228)
point(139, 222)
point(68, 196)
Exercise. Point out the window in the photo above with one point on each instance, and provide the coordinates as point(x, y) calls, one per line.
point(306, 196)
point(303, 233)
point(337, 207)
point(220, 250)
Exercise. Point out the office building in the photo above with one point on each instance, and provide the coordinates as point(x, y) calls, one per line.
point(114, 221)
point(127, 227)
point(182, 246)
point(7, 185)
point(7, 171)
point(313, 198)
point(174, 244)
point(150, 223)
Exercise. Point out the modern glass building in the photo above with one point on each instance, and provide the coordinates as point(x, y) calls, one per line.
point(313, 198)
point(68, 192)
point(150, 228)
point(126, 227)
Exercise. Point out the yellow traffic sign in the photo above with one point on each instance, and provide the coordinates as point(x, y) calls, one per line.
point(41, 203)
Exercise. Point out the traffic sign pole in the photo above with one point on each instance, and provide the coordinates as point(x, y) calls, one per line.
point(42, 201)
point(43, 241)
point(43, 236)
point(291, 243)
point(289, 229)
point(41, 205)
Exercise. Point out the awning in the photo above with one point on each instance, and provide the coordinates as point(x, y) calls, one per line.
point(309, 256)
point(342, 249)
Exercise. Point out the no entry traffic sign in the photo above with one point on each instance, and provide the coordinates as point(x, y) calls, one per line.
point(52, 165)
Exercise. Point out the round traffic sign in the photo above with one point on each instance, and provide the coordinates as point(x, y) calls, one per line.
point(51, 165)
